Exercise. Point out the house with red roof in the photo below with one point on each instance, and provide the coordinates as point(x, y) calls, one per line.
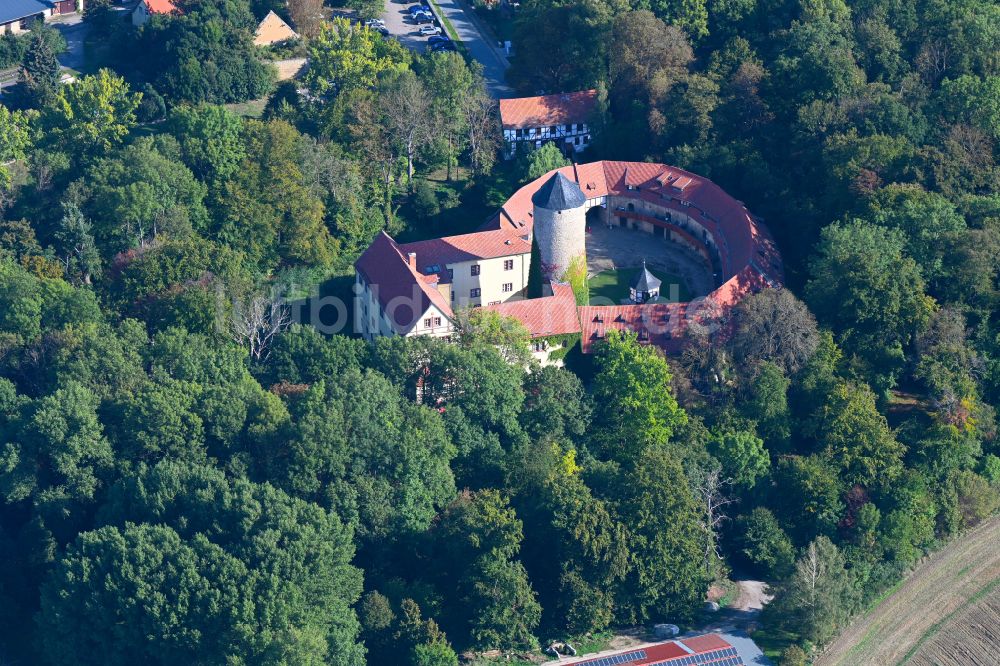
point(414, 288)
point(147, 8)
point(564, 119)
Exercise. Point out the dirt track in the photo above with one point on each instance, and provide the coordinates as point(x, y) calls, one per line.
point(931, 603)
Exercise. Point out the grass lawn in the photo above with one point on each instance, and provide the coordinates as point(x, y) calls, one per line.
point(251, 109)
point(612, 286)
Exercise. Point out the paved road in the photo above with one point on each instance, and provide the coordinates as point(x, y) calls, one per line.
point(480, 46)
point(74, 30)
point(470, 32)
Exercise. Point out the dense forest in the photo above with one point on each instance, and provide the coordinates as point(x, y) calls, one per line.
point(186, 478)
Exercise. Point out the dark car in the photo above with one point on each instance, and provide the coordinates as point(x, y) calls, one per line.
point(442, 46)
point(416, 9)
point(423, 18)
point(437, 39)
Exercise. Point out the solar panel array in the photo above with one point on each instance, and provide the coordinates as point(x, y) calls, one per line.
point(624, 658)
point(727, 657)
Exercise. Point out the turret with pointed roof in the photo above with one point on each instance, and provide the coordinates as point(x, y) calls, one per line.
point(559, 193)
point(645, 286)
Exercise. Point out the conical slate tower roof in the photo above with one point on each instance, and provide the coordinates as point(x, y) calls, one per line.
point(559, 193)
point(645, 281)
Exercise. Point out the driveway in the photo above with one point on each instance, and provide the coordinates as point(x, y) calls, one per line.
point(74, 31)
point(466, 24)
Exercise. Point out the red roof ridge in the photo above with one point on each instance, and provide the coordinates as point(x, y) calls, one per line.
point(545, 110)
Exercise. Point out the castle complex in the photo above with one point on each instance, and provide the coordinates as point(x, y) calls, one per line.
point(416, 288)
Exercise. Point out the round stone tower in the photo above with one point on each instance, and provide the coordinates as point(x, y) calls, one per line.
point(559, 225)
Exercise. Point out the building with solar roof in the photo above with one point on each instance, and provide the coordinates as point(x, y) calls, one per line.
point(708, 649)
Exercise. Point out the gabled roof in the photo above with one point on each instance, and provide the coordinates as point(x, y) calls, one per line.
point(273, 30)
point(466, 247)
point(547, 110)
point(645, 281)
point(403, 293)
point(559, 193)
point(161, 6)
point(15, 10)
point(546, 316)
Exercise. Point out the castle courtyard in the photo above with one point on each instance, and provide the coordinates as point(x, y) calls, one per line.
point(618, 247)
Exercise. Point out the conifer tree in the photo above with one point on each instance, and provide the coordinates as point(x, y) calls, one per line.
point(40, 71)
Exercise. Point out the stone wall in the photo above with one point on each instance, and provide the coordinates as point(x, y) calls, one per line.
point(561, 237)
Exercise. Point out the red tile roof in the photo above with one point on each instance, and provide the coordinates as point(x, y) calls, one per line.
point(467, 247)
point(402, 292)
point(714, 651)
point(660, 324)
point(748, 255)
point(161, 6)
point(547, 110)
point(549, 315)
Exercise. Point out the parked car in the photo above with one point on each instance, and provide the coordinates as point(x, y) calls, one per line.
point(416, 9)
point(437, 39)
point(429, 30)
point(443, 46)
point(382, 30)
point(374, 23)
point(423, 18)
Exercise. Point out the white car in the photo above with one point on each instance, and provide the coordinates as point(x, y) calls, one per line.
point(429, 30)
point(375, 23)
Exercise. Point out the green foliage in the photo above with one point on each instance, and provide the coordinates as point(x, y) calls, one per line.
point(666, 539)
point(94, 114)
point(544, 160)
point(15, 139)
point(486, 329)
point(40, 70)
point(744, 458)
point(819, 596)
point(195, 551)
point(204, 54)
point(343, 57)
point(871, 293)
point(425, 201)
point(762, 544)
point(142, 451)
point(480, 534)
point(635, 400)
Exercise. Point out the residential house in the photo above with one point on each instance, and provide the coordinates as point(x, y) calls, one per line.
point(564, 119)
point(16, 15)
point(147, 8)
point(272, 30)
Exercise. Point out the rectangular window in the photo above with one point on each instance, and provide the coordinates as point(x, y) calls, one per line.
point(508, 264)
point(451, 273)
point(508, 287)
point(494, 303)
point(427, 322)
point(437, 321)
point(475, 269)
point(474, 293)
